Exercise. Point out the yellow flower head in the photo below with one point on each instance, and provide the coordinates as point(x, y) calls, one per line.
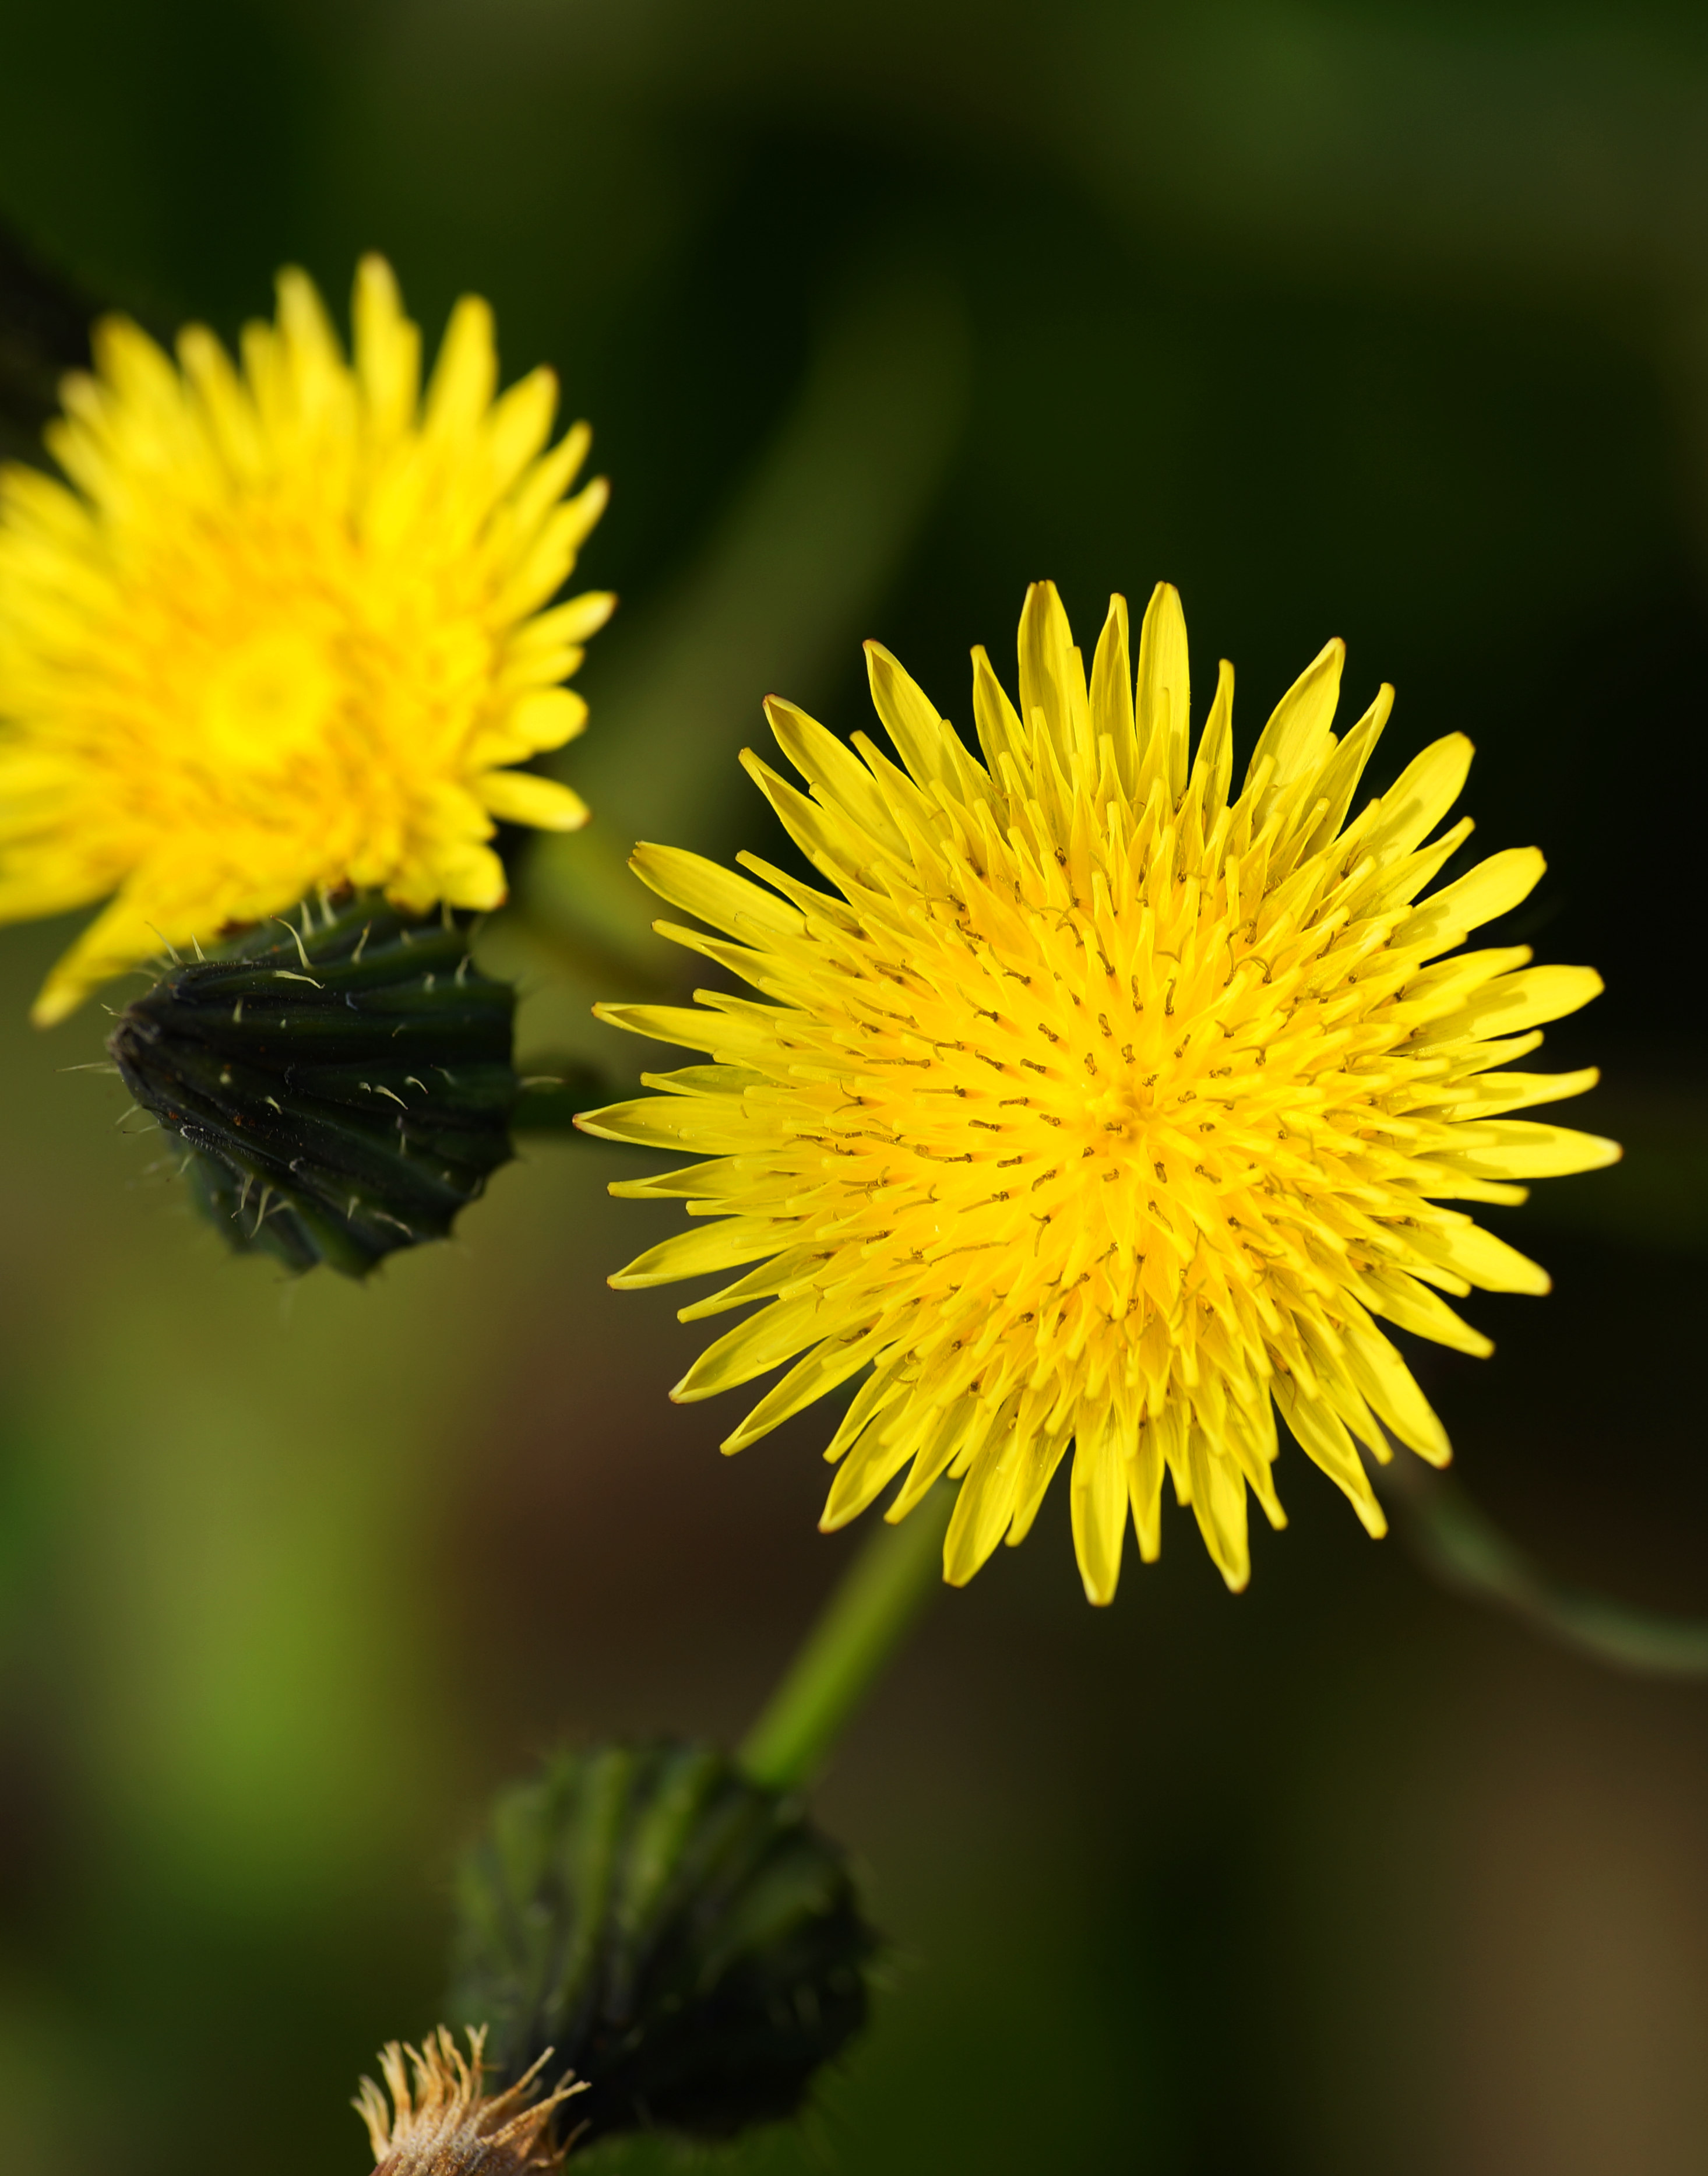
point(285, 627)
point(1097, 1107)
point(443, 2122)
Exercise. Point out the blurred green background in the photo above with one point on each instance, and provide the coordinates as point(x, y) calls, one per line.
point(1384, 321)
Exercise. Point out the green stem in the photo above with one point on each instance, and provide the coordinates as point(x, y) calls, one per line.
point(866, 1619)
point(550, 1093)
point(1462, 1545)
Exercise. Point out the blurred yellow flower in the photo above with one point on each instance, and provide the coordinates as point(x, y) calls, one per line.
point(1100, 1108)
point(284, 629)
point(443, 2122)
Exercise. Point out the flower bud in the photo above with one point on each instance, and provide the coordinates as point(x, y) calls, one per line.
point(687, 1940)
point(343, 1090)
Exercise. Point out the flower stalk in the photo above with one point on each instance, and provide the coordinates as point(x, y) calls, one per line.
point(870, 1613)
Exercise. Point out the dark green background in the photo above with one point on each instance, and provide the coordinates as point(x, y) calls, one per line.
point(1384, 321)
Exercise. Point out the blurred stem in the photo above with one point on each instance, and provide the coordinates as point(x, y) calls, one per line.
point(868, 1615)
point(1467, 1551)
point(805, 547)
point(552, 1091)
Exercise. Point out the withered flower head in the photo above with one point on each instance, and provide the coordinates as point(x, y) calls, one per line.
point(442, 2124)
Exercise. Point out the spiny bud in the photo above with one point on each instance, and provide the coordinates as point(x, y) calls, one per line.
point(687, 1939)
point(344, 1089)
point(442, 2123)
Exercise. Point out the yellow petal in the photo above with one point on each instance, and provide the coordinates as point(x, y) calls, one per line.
point(519, 796)
point(1296, 737)
point(1215, 759)
point(388, 348)
point(1112, 694)
point(707, 1128)
point(1162, 702)
point(1520, 1148)
point(1415, 1307)
point(1218, 1504)
point(715, 895)
point(1322, 1436)
point(999, 730)
point(718, 1245)
point(1488, 1095)
point(983, 1509)
point(1053, 680)
point(1421, 796)
point(1493, 888)
point(824, 1368)
point(1039, 1460)
point(465, 372)
point(1144, 1492)
point(873, 1463)
point(1480, 1258)
point(1099, 1504)
point(835, 772)
point(775, 1334)
point(930, 749)
point(546, 718)
point(1522, 1000)
point(1389, 1384)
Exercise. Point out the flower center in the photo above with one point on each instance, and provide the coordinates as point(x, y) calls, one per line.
point(268, 700)
point(1117, 1116)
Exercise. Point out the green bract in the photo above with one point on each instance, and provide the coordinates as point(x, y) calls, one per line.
point(343, 1090)
point(687, 1941)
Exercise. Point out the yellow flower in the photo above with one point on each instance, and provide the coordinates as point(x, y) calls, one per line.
point(1099, 1107)
point(284, 629)
point(447, 2125)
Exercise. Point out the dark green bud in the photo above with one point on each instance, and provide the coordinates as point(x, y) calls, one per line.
point(688, 1942)
point(344, 1089)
